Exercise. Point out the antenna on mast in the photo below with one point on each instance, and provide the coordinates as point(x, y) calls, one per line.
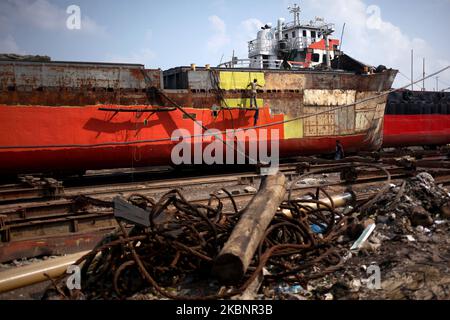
point(295, 9)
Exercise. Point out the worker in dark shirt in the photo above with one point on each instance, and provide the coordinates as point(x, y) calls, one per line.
point(339, 151)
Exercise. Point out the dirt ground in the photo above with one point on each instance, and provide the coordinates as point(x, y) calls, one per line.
point(412, 270)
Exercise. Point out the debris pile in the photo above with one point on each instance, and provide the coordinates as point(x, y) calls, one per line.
point(179, 249)
point(410, 248)
point(272, 249)
point(418, 202)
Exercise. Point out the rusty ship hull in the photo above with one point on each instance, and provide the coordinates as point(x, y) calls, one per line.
point(71, 117)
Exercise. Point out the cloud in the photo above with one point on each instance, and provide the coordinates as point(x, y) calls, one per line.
point(9, 45)
point(44, 15)
point(246, 32)
point(250, 27)
point(219, 39)
point(370, 38)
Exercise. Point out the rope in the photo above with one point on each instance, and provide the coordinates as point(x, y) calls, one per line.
point(205, 128)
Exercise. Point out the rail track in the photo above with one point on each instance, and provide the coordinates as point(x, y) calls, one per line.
point(40, 216)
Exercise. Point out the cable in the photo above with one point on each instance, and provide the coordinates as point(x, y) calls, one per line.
point(205, 128)
point(225, 132)
point(406, 77)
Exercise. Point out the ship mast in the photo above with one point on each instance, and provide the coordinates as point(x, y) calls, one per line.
point(295, 10)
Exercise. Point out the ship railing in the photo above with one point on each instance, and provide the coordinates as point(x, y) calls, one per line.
point(236, 63)
point(311, 24)
point(291, 24)
point(257, 64)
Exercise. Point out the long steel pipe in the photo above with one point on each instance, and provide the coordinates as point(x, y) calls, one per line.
point(25, 276)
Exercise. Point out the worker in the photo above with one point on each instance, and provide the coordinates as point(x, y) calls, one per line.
point(253, 93)
point(339, 151)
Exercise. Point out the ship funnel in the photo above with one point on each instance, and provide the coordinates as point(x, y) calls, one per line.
point(280, 28)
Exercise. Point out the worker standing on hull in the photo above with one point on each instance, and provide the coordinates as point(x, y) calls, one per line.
point(253, 94)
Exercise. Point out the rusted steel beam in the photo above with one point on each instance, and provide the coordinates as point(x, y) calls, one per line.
point(36, 209)
point(52, 245)
point(433, 164)
point(235, 257)
point(60, 225)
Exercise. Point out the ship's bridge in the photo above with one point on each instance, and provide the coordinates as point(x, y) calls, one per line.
point(291, 45)
point(288, 41)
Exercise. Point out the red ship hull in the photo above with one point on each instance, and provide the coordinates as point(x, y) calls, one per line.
point(75, 139)
point(416, 130)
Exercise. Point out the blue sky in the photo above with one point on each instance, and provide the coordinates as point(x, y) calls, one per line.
point(169, 33)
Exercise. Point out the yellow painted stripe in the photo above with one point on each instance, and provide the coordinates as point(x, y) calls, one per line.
point(293, 129)
point(239, 80)
point(241, 103)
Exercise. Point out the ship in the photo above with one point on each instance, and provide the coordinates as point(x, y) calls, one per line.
point(62, 116)
point(417, 118)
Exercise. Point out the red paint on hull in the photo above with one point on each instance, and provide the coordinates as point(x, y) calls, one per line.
point(416, 130)
point(63, 138)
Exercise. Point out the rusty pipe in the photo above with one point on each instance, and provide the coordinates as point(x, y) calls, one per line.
point(25, 276)
point(339, 201)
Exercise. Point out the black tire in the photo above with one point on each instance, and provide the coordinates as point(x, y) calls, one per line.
point(380, 69)
point(407, 96)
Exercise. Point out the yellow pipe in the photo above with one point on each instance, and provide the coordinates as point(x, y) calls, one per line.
point(25, 276)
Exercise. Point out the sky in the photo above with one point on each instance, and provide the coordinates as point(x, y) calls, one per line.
point(166, 34)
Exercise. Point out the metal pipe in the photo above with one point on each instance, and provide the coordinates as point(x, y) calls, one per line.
point(423, 74)
point(25, 276)
point(412, 70)
point(327, 50)
point(280, 29)
point(339, 201)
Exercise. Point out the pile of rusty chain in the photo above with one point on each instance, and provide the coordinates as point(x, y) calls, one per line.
point(184, 239)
